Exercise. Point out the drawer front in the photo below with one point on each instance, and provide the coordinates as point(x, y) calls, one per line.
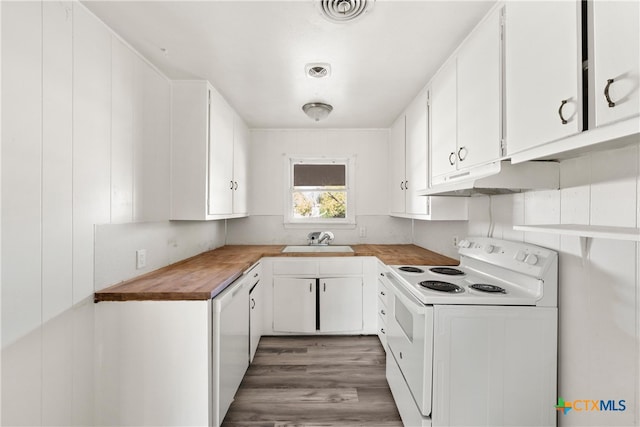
point(382, 332)
point(295, 267)
point(348, 266)
point(383, 293)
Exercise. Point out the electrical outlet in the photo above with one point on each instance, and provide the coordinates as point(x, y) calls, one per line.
point(363, 231)
point(141, 258)
point(455, 241)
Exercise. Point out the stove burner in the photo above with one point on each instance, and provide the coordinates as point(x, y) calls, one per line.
point(437, 285)
point(411, 269)
point(447, 271)
point(483, 287)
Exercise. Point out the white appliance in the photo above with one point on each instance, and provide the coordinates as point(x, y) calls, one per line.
point(476, 345)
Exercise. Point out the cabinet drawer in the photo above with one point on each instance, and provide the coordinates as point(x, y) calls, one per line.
point(382, 332)
point(299, 267)
point(383, 293)
point(341, 266)
point(254, 273)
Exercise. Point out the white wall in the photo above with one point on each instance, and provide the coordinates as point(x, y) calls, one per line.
point(268, 168)
point(85, 174)
point(599, 298)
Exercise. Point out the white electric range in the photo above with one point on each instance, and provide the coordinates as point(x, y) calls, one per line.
point(475, 344)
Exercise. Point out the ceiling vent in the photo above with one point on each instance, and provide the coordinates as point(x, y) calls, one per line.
point(344, 10)
point(318, 71)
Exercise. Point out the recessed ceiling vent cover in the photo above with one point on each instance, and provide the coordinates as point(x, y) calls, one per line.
point(318, 70)
point(344, 10)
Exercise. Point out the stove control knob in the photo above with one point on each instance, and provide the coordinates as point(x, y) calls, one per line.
point(464, 244)
point(489, 248)
point(520, 256)
point(531, 259)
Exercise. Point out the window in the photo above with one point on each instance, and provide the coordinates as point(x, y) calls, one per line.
point(319, 191)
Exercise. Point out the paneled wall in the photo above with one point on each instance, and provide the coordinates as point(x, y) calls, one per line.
point(85, 182)
point(269, 151)
point(599, 292)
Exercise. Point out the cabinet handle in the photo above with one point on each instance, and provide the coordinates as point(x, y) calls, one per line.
point(383, 313)
point(406, 185)
point(324, 287)
point(606, 93)
point(462, 153)
point(452, 158)
point(382, 330)
point(255, 275)
point(310, 287)
point(382, 274)
point(231, 185)
point(253, 303)
point(382, 293)
point(562, 104)
point(402, 185)
point(400, 355)
point(236, 185)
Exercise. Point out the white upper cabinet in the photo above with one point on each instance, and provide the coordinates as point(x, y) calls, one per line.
point(466, 107)
point(543, 83)
point(397, 166)
point(479, 73)
point(614, 54)
point(240, 166)
point(444, 122)
point(416, 144)
point(205, 129)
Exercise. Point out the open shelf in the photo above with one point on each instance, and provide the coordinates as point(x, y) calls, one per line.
point(598, 231)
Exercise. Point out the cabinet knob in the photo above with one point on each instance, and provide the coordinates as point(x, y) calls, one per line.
point(452, 158)
point(562, 104)
point(462, 153)
point(606, 93)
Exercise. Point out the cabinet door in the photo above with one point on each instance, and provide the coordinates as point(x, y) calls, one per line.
point(416, 154)
point(294, 305)
point(340, 304)
point(443, 121)
point(240, 159)
point(616, 35)
point(397, 165)
point(542, 73)
point(220, 156)
point(479, 95)
point(255, 319)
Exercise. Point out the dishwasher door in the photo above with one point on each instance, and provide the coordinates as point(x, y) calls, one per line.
point(231, 355)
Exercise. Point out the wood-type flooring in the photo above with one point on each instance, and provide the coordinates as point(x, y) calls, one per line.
point(315, 381)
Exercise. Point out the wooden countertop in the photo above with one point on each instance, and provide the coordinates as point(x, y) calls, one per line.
point(206, 275)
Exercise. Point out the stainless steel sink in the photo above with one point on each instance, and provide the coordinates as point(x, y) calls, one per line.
point(318, 249)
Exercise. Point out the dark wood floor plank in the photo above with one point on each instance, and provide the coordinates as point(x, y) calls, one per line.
point(315, 381)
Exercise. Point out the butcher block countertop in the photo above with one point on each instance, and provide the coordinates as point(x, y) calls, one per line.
point(204, 276)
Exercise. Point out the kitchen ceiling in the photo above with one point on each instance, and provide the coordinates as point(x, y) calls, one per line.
point(255, 52)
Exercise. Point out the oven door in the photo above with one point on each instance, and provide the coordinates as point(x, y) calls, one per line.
point(410, 339)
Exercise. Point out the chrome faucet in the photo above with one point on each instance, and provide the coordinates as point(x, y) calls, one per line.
point(320, 238)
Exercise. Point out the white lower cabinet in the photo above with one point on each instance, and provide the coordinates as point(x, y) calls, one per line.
point(171, 363)
point(320, 295)
point(255, 318)
point(340, 301)
point(294, 305)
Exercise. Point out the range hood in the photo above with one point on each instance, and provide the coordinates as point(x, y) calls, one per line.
point(500, 177)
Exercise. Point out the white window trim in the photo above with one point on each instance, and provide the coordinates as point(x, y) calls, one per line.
point(349, 221)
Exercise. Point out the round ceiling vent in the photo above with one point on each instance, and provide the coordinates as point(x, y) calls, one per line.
point(344, 10)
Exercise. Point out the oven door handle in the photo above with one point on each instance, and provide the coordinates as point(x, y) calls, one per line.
point(409, 301)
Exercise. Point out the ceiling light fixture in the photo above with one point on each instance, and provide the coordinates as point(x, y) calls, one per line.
point(317, 110)
point(344, 10)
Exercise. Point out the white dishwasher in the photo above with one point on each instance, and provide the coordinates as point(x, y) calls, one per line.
point(231, 350)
